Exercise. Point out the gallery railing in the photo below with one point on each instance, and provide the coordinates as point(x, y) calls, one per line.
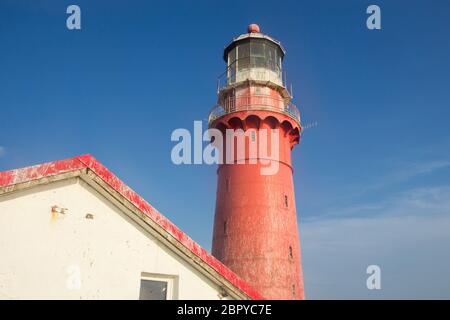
point(254, 102)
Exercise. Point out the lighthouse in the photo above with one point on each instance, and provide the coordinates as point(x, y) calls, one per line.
point(255, 226)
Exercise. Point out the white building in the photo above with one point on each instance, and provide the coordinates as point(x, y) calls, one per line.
point(70, 229)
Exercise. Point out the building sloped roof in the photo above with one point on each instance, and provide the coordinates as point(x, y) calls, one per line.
point(195, 254)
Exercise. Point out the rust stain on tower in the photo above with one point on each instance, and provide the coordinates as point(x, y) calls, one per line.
point(255, 226)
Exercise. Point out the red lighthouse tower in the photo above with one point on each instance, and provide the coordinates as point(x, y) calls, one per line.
point(255, 225)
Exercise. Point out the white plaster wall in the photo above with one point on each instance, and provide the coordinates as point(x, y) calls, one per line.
point(40, 253)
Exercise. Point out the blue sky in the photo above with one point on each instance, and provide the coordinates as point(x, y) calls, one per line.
point(372, 178)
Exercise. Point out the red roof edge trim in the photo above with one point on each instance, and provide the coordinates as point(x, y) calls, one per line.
point(12, 177)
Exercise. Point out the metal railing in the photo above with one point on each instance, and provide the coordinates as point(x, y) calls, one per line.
point(235, 102)
point(251, 103)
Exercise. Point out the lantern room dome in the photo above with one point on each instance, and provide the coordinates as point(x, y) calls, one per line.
point(253, 28)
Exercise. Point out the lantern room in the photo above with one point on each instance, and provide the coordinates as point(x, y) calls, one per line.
point(254, 56)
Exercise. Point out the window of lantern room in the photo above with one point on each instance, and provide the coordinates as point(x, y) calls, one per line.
point(231, 74)
point(271, 54)
point(257, 56)
point(243, 53)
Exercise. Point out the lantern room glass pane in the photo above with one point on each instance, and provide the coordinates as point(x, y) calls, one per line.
point(279, 58)
point(257, 49)
point(271, 57)
point(243, 50)
point(257, 54)
point(232, 56)
point(243, 56)
point(231, 75)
